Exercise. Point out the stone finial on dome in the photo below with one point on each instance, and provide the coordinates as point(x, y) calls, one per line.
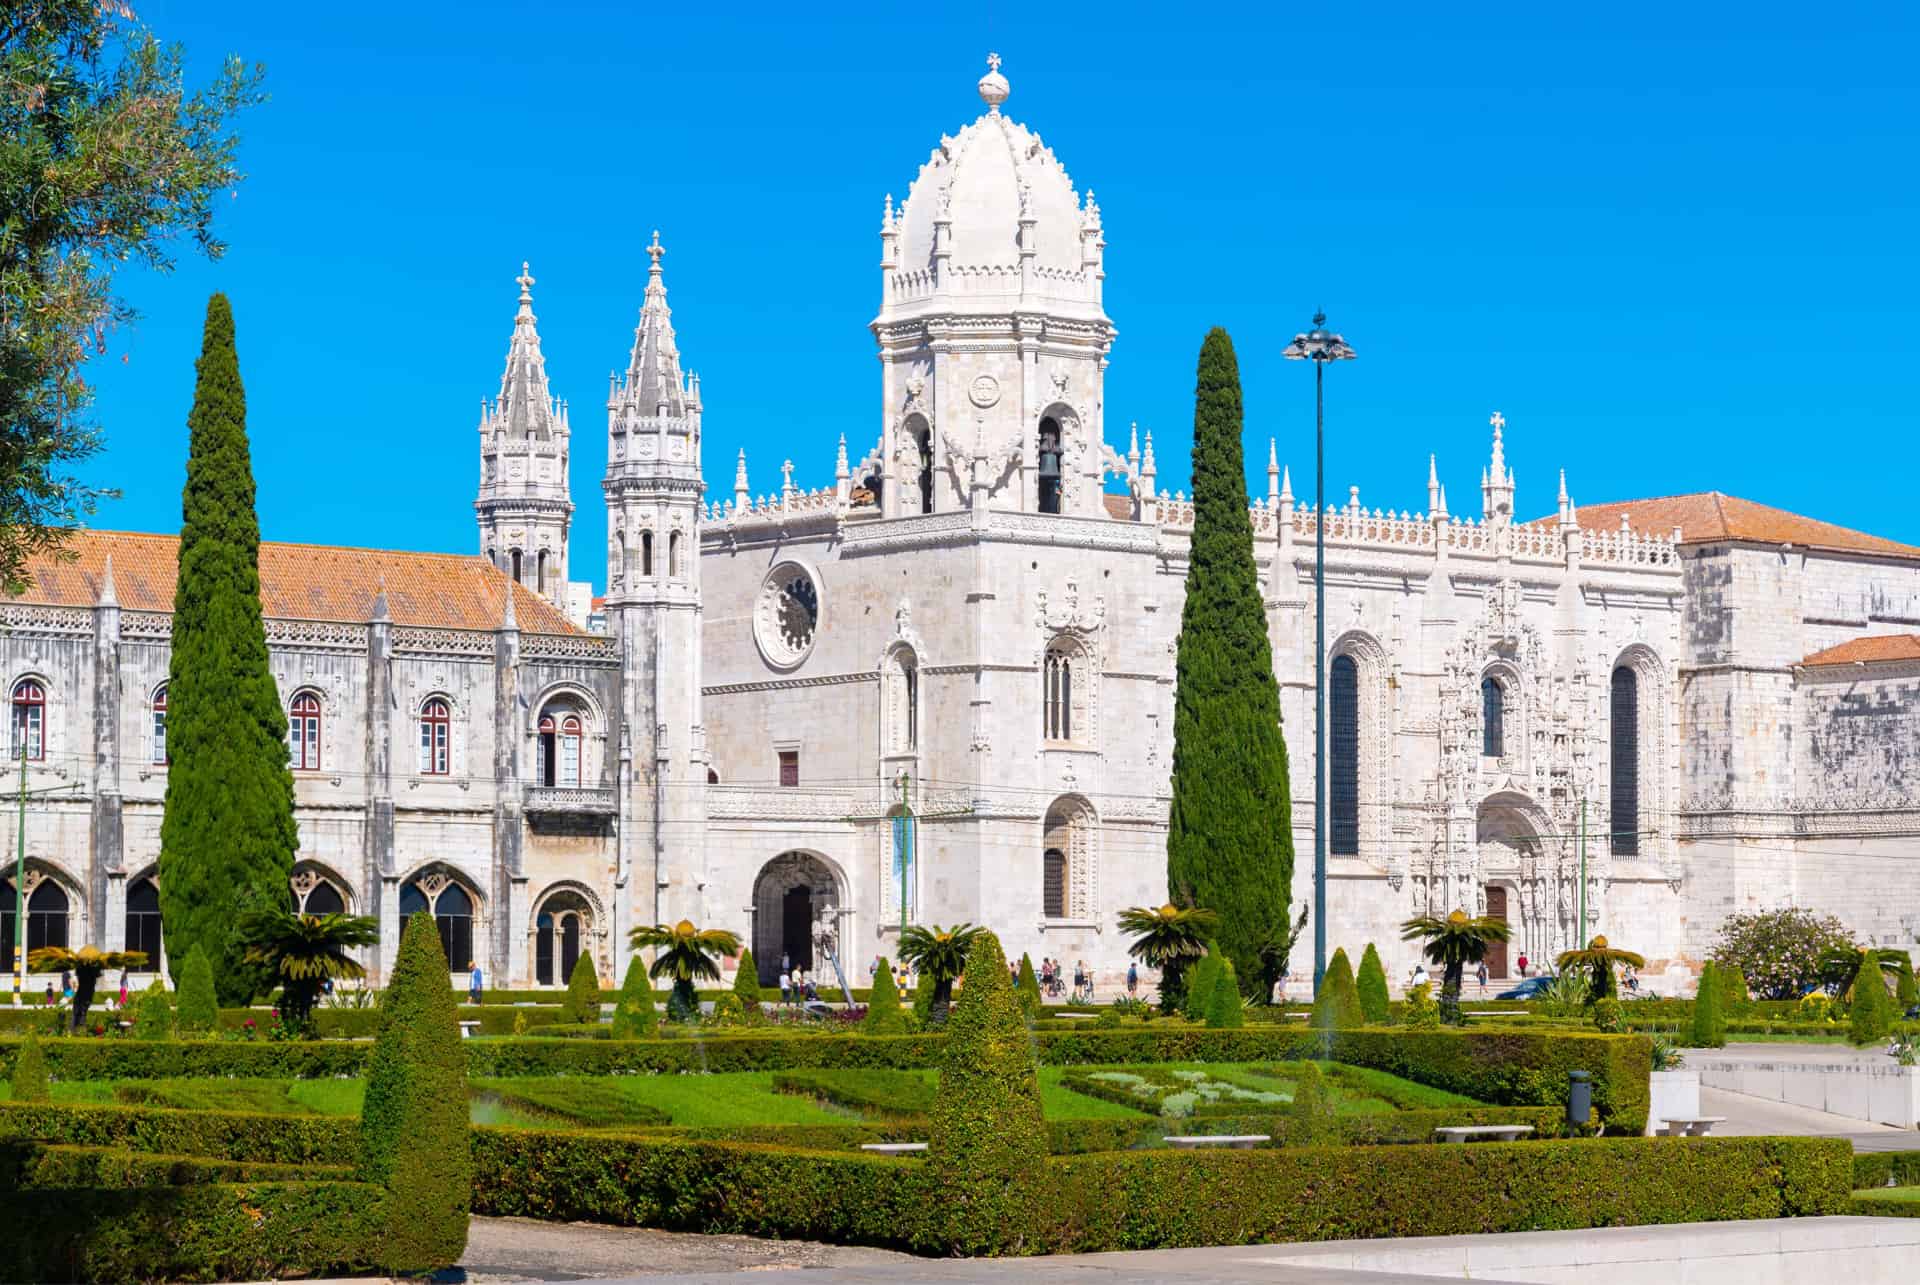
point(993, 86)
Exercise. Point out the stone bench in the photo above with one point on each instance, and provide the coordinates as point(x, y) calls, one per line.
point(1697, 1126)
point(1482, 1132)
point(894, 1148)
point(468, 1030)
point(1236, 1141)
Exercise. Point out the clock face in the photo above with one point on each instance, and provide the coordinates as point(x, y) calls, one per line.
point(984, 391)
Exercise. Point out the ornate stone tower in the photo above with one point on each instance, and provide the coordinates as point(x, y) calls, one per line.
point(524, 508)
point(993, 338)
point(653, 492)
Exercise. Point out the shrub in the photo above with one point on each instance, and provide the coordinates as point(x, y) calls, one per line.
point(746, 984)
point(233, 1135)
point(884, 1016)
point(1607, 1017)
point(634, 1016)
point(1371, 984)
point(727, 1011)
point(1028, 989)
point(520, 1024)
point(582, 1004)
point(1778, 951)
point(1814, 1007)
point(1871, 1014)
point(1198, 982)
point(1423, 1010)
point(1906, 994)
point(414, 1121)
point(1336, 1005)
point(1709, 1022)
point(153, 1013)
point(987, 1152)
point(1312, 1111)
point(30, 1074)
point(1223, 1008)
point(923, 989)
point(199, 1009)
point(1733, 989)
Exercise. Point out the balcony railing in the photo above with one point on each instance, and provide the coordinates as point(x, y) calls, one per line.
point(596, 800)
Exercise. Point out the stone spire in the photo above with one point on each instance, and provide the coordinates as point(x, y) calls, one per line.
point(107, 597)
point(526, 406)
point(524, 507)
point(1496, 481)
point(1147, 469)
point(993, 86)
point(654, 385)
point(1566, 505)
point(1433, 485)
point(742, 496)
point(1273, 473)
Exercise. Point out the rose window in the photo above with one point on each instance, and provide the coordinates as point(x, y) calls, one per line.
point(787, 615)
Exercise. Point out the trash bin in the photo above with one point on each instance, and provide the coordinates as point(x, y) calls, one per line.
point(1579, 1097)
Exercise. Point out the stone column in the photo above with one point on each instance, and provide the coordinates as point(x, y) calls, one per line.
point(507, 801)
point(106, 873)
point(377, 857)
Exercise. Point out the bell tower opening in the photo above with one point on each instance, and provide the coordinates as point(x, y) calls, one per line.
point(1049, 493)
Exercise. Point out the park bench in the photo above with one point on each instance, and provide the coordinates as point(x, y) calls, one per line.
point(467, 1029)
point(894, 1148)
point(1694, 1126)
point(1482, 1132)
point(1236, 1141)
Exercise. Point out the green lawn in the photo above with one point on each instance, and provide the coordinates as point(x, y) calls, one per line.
point(1891, 1195)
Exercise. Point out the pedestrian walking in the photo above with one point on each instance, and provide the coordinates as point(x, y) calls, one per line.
point(1522, 961)
point(474, 983)
point(1133, 979)
point(123, 988)
point(1481, 972)
point(66, 984)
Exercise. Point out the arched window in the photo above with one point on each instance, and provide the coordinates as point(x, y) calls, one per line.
point(919, 477)
point(46, 916)
point(562, 741)
point(620, 563)
point(324, 899)
point(674, 570)
point(1625, 821)
point(1050, 454)
point(1493, 718)
point(436, 738)
point(159, 716)
point(143, 923)
point(1053, 884)
point(569, 944)
point(1343, 757)
point(900, 690)
point(540, 570)
point(452, 910)
point(303, 733)
point(30, 719)
point(1057, 697)
point(646, 554)
point(516, 566)
point(543, 950)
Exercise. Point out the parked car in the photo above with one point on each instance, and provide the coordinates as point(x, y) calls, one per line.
point(1532, 988)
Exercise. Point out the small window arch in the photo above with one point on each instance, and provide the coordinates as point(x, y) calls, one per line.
point(452, 908)
point(436, 737)
point(621, 556)
point(674, 569)
point(1625, 768)
point(1067, 862)
point(516, 566)
point(143, 922)
point(1060, 672)
point(540, 571)
point(30, 720)
point(303, 733)
point(47, 909)
point(1050, 458)
point(901, 693)
point(157, 714)
point(1053, 884)
point(562, 735)
point(1493, 718)
point(646, 554)
point(1343, 757)
point(324, 899)
point(919, 478)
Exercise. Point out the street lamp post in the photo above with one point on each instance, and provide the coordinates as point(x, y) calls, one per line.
point(1319, 346)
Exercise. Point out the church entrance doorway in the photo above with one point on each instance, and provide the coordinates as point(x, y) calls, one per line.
point(790, 894)
point(1497, 951)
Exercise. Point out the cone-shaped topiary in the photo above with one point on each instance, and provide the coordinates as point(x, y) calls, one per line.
point(30, 1073)
point(199, 1009)
point(1229, 760)
point(153, 1013)
point(884, 1015)
point(413, 1126)
point(1906, 994)
point(1733, 989)
point(986, 1164)
point(1371, 985)
point(1029, 988)
point(1223, 1007)
point(1312, 1110)
point(1336, 1005)
point(582, 1004)
point(1871, 1015)
point(227, 835)
point(1198, 983)
point(635, 1017)
point(923, 992)
point(1709, 1019)
point(746, 984)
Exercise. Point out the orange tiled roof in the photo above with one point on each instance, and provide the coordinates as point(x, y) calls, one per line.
point(1710, 515)
point(301, 582)
point(1865, 651)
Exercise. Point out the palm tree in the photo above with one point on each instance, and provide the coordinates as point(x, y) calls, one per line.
point(940, 953)
point(1598, 961)
point(1453, 943)
point(304, 952)
point(86, 964)
point(1840, 968)
point(1168, 939)
point(685, 954)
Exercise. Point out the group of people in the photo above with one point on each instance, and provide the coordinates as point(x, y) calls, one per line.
point(1053, 980)
point(902, 975)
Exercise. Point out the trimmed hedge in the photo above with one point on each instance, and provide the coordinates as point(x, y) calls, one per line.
point(245, 1231)
point(39, 1166)
point(1154, 1199)
point(1873, 1204)
point(235, 1135)
point(1886, 1169)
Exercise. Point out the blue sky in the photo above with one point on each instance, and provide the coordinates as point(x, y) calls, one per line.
point(1676, 249)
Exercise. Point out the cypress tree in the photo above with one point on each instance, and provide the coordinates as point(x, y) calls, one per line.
point(228, 836)
point(1871, 1015)
point(1709, 1017)
point(198, 1012)
point(1229, 761)
point(635, 1017)
point(1311, 1110)
point(582, 1004)
point(923, 988)
point(413, 1125)
point(1223, 1006)
point(1028, 990)
point(746, 984)
point(30, 1073)
point(1733, 989)
point(1905, 992)
point(987, 1152)
point(1336, 1005)
point(1198, 981)
point(884, 1015)
point(1372, 986)
point(153, 1013)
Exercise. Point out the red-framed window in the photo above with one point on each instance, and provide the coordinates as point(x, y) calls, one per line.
point(561, 742)
point(160, 756)
point(303, 733)
point(30, 719)
point(790, 768)
point(436, 737)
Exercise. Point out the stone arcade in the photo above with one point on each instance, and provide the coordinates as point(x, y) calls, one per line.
point(940, 689)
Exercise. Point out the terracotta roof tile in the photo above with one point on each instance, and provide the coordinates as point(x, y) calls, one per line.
point(1118, 506)
point(1865, 651)
point(301, 582)
point(1711, 515)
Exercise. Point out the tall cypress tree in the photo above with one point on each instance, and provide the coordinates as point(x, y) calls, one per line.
point(228, 838)
point(1230, 831)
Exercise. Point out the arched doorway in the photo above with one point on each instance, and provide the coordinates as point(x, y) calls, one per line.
point(789, 895)
point(562, 932)
point(1518, 879)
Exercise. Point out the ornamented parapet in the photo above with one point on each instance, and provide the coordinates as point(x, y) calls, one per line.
point(852, 803)
point(22, 618)
point(590, 800)
point(416, 641)
point(569, 647)
point(329, 635)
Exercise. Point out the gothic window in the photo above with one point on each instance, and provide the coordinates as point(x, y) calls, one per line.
point(713, 777)
point(436, 737)
point(323, 899)
point(920, 457)
point(159, 718)
point(452, 910)
point(303, 733)
point(1625, 822)
point(46, 916)
point(1493, 718)
point(1050, 465)
point(790, 767)
point(30, 719)
point(786, 615)
point(646, 555)
point(541, 570)
point(143, 923)
point(1053, 884)
point(622, 568)
point(673, 555)
point(543, 951)
point(516, 566)
point(1343, 757)
point(900, 691)
point(1061, 668)
point(562, 742)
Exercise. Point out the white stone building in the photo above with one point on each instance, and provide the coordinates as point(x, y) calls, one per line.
point(941, 688)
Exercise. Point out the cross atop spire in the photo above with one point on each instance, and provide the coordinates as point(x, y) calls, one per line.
point(525, 281)
point(993, 62)
point(654, 251)
point(1499, 422)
